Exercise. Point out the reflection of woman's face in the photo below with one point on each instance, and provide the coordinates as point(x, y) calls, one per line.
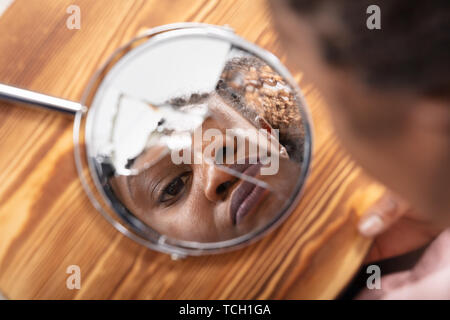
point(202, 202)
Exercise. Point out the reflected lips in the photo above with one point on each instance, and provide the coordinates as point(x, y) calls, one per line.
point(246, 196)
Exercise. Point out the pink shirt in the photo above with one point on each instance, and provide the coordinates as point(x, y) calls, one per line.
point(429, 279)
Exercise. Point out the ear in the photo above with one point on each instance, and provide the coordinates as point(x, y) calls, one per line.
point(430, 114)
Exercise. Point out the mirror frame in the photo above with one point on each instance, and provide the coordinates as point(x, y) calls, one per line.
point(88, 170)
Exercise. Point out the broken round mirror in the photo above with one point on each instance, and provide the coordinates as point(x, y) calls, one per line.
point(196, 141)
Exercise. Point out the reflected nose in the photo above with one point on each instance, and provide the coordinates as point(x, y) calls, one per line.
point(217, 182)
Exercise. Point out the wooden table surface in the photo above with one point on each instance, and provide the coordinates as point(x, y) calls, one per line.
point(47, 222)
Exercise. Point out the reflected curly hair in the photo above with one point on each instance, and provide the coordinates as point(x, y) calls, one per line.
point(251, 86)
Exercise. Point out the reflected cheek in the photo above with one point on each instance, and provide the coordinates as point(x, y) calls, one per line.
point(189, 222)
point(196, 217)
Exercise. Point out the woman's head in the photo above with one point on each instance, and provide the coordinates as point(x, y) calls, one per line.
point(388, 89)
point(205, 200)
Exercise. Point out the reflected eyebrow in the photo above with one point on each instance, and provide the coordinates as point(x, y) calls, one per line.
point(151, 183)
point(152, 187)
point(144, 186)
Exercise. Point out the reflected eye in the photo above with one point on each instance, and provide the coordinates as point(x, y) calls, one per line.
point(174, 188)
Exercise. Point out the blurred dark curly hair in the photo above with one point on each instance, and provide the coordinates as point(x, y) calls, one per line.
point(411, 50)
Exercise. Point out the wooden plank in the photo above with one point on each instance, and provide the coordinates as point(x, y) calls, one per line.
point(47, 222)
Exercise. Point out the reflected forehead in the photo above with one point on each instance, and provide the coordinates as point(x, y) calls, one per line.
point(150, 155)
point(226, 113)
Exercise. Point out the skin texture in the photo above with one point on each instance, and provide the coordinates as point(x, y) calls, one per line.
point(400, 137)
point(201, 210)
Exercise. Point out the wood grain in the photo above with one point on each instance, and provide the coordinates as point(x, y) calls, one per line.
point(47, 222)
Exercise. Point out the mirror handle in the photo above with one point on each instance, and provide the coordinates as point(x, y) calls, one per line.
point(15, 94)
